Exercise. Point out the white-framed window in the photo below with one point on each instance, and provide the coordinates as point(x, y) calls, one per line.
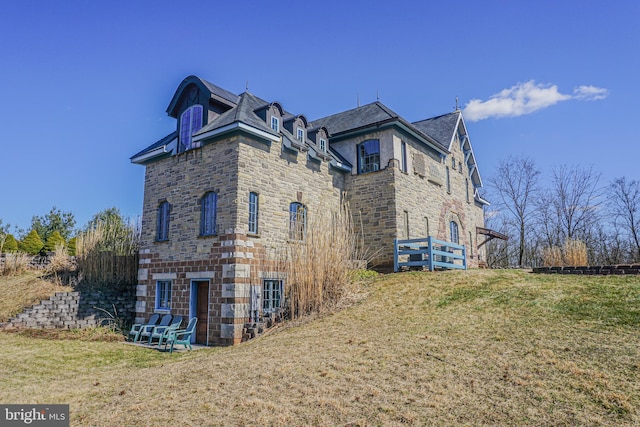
point(300, 135)
point(163, 295)
point(323, 145)
point(275, 123)
point(162, 226)
point(272, 295)
point(190, 122)
point(369, 156)
point(253, 213)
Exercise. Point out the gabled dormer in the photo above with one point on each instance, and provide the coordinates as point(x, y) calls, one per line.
point(195, 103)
point(319, 136)
point(272, 115)
point(297, 127)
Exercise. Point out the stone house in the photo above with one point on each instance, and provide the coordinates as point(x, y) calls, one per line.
point(241, 174)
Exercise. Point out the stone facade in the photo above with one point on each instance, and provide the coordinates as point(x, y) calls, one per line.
point(248, 146)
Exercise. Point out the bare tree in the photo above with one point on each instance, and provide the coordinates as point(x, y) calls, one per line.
point(575, 199)
point(516, 187)
point(624, 202)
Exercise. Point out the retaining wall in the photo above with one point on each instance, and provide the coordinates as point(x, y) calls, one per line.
point(77, 310)
point(591, 270)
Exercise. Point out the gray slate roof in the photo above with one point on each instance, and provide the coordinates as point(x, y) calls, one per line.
point(356, 118)
point(440, 128)
point(164, 141)
point(222, 93)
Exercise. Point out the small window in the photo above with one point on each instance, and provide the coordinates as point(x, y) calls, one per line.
point(272, 292)
point(406, 225)
point(163, 295)
point(448, 181)
point(403, 149)
point(454, 232)
point(460, 167)
point(300, 135)
point(275, 123)
point(453, 163)
point(190, 122)
point(297, 221)
point(208, 207)
point(253, 213)
point(323, 145)
point(162, 229)
point(426, 226)
point(466, 183)
point(369, 156)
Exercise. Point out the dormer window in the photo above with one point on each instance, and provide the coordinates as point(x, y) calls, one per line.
point(323, 145)
point(190, 123)
point(300, 135)
point(275, 123)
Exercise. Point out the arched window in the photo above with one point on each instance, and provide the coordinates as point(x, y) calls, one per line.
point(253, 213)
point(162, 228)
point(190, 122)
point(454, 232)
point(208, 207)
point(297, 221)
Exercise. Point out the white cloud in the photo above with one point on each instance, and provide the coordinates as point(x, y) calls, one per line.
point(525, 98)
point(590, 93)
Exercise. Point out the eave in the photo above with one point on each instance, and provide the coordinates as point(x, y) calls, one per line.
point(237, 127)
point(162, 150)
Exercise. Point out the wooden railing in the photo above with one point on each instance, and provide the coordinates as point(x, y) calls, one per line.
point(429, 252)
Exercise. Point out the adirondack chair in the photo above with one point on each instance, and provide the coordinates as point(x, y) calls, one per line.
point(145, 331)
point(136, 328)
point(182, 336)
point(162, 332)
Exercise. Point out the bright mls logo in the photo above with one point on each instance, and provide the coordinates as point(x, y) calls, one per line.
point(35, 415)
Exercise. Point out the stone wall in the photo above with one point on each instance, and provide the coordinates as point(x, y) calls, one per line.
point(77, 310)
point(603, 270)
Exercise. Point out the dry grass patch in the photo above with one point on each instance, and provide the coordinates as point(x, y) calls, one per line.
point(26, 289)
point(454, 348)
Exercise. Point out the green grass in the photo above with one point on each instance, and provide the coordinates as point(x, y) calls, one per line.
point(452, 348)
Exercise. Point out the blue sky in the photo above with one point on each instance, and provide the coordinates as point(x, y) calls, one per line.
point(84, 84)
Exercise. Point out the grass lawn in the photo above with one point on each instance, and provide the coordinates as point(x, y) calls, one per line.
point(453, 348)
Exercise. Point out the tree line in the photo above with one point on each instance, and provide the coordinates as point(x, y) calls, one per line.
point(573, 206)
point(57, 228)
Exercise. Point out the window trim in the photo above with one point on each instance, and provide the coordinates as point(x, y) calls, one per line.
point(254, 212)
point(323, 145)
point(275, 121)
point(195, 115)
point(209, 214)
point(270, 288)
point(297, 233)
point(453, 227)
point(162, 221)
point(368, 162)
point(300, 134)
point(163, 302)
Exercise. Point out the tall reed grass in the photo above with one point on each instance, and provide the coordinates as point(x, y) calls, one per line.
point(572, 253)
point(317, 269)
point(14, 263)
point(107, 253)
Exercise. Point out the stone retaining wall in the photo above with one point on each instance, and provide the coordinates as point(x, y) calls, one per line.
point(77, 310)
point(591, 270)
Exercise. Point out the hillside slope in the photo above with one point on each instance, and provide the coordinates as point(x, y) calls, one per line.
point(23, 290)
point(452, 348)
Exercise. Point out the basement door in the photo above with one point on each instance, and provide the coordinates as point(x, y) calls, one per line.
point(199, 307)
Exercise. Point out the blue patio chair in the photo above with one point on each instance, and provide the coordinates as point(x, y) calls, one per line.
point(136, 328)
point(182, 336)
point(162, 332)
point(145, 331)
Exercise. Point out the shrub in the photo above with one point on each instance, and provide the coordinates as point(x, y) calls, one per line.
point(10, 244)
point(31, 244)
point(71, 246)
point(53, 241)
